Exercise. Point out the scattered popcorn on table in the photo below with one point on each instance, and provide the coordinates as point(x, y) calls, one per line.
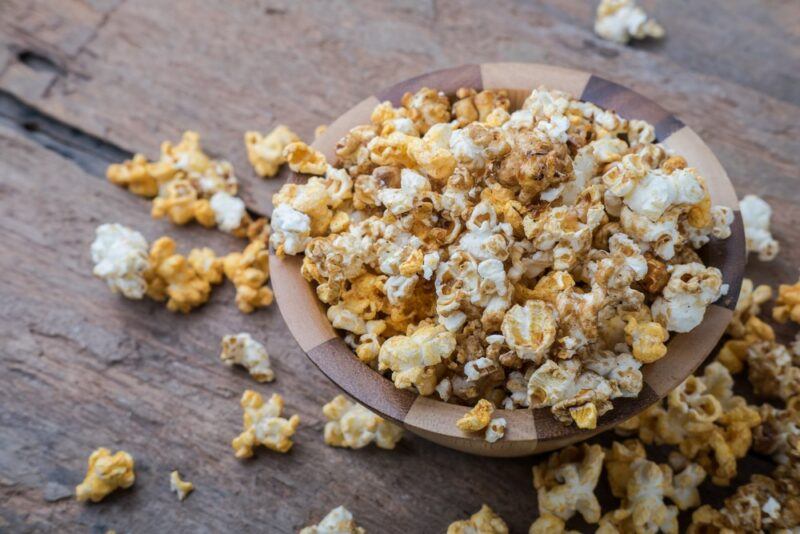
point(243, 350)
point(756, 215)
point(622, 20)
point(120, 258)
point(778, 435)
point(249, 272)
point(353, 426)
point(319, 130)
point(263, 425)
point(484, 521)
point(105, 474)
point(265, 152)
point(477, 418)
point(181, 487)
point(338, 521)
point(565, 482)
point(470, 250)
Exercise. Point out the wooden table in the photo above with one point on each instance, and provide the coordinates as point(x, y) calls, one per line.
point(85, 83)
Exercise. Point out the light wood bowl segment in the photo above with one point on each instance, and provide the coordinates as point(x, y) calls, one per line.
point(528, 431)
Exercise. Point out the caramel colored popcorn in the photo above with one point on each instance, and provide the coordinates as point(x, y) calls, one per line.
point(565, 483)
point(263, 425)
point(756, 215)
point(535, 257)
point(353, 426)
point(135, 175)
point(778, 435)
point(787, 305)
point(242, 349)
point(477, 418)
point(303, 158)
point(622, 20)
point(172, 277)
point(484, 521)
point(181, 487)
point(338, 521)
point(120, 258)
point(265, 152)
point(548, 523)
point(249, 272)
point(106, 473)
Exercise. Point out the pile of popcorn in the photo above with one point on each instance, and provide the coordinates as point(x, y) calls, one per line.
point(534, 258)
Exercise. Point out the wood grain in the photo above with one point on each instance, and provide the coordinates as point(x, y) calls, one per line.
point(81, 368)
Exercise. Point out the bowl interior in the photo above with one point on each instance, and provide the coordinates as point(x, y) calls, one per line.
point(528, 431)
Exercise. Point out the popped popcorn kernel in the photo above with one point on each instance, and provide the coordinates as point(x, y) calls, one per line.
point(427, 107)
point(106, 473)
point(647, 340)
point(756, 214)
point(172, 277)
point(181, 487)
point(249, 272)
point(412, 358)
point(353, 426)
point(496, 429)
point(134, 174)
point(242, 349)
point(265, 152)
point(120, 258)
point(787, 305)
point(338, 521)
point(477, 418)
point(484, 521)
point(622, 20)
point(530, 329)
point(263, 425)
point(565, 482)
point(303, 158)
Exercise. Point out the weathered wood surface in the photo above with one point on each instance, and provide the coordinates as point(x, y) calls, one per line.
point(82, 368)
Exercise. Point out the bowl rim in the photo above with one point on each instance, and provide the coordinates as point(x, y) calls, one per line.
point(528, 431)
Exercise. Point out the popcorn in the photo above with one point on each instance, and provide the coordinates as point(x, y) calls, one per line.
point(565, 483)
point(263, 425)
point(302, 158)
point(106, 473)
point(181, 487)
point(646, 489)
point(229, 211)
point(353, 426)
point(647, 340)
point(496, 429)
point(243, 350)
point(622, 20)
point(265, 152)
point(756, 215)
point(477, 418)
point(691, 288)
point(787, 306)
point(249, 272)
point(338, 521)
point(171, 277)
point(530, 329)
point(135, 175)
point(207, 265)
point(426, 107)
point(548, 523)
point(412, 358)
point(290, 230)
point(772, 370)
point(484, 521)
point(120, 258)
point(778, 435)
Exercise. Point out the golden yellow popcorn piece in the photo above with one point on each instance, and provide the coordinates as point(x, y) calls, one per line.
point(265, 152)
point(393, 150)
point(427, 107)
point(787, 306)
point(477, 418)
point(179, 202)
point(565, 483)
point(105, 474)
point(243, 350)
point(484, 521)
point(263, 425)
point(646, 340)
point(618, 464)
point(135, 175)
point(249, 272)
point(548, 523)
point(411, 358)
point(353, 426)
point(172, 277)
point(338, 521)
point(319, 130)
point(181, 487)
point(302, 158)
point(207, 264)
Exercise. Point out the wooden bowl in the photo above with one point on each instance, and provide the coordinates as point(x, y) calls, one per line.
point(529, 431)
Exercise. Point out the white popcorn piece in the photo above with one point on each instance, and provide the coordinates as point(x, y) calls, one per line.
point(756, 214)
point(410, 358)
point(531, 329)
point(181, 487)
point(290, 229)
point(228, 211)
point(120, 257)
point(496, 429)
point(338, 521)
point(263, 425)
point(353, 426)
point(565, 483)
point(622, 20)
point(691, 288)
point(242, 349)
point(657, 191)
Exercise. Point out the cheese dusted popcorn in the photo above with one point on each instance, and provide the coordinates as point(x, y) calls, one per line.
point(622, 20)
point(338, 521)
point(756, 215)
point(171, 277)
point(484, 521)
point(353, 426)
point(263, 425)
point(265, 152)
point(303, 158)
point(181, 487)
point(120, 258)
point(787, 305)
point(105, 474)
point(135, 174)
point(533, 257)
point(242, 349)
point(477, 418)
point(249, 272)
point(565, 482)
